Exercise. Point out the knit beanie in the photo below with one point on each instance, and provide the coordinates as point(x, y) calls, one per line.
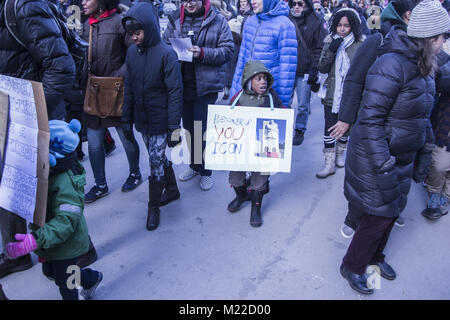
point(428, 19)
point(63, 138)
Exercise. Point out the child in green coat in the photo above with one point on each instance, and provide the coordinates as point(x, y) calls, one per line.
point(64, 237)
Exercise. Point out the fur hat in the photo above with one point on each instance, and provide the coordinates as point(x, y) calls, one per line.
point(63, 138)
point(428, 19)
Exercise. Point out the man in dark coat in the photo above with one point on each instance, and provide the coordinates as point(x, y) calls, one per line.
point(204, 77)
point(311, 30)
point(153, 101)
point(43, 57)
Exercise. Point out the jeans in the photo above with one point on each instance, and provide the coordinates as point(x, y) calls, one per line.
point(196, 109)
point(96, 149)
point(303, 90)
point(58, 270)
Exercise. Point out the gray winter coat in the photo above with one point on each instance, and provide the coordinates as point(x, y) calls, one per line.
point(217, 42)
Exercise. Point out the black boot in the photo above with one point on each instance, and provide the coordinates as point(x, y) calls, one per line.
point(356, 282)
point(155, 191)
point(171, 192)
point(89, 257)
point(242, 196)
point(2, 294)
point(255, 215)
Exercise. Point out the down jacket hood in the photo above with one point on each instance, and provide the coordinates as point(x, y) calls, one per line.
point(273, 8)
point(145, 14)
point(251, 69)
point(397, 41)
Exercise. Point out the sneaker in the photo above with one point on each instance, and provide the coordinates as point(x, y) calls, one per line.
point(206, 182)
point(95, 193)
point(346, 231)
point(133, 180)
point(188, 174)
point(400, 222)
point(88, 293)
point(298, 138)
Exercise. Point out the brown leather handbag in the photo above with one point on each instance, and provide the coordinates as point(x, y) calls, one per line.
point(104, 95)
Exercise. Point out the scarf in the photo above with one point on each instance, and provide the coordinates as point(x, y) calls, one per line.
point(106, 14)
point(342, 64)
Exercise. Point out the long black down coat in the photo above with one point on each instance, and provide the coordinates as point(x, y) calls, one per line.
point(46, 57)
point(392, 125)
point(153, 83)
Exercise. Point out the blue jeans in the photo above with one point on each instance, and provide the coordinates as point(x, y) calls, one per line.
point(97, 152)
point(303, 90)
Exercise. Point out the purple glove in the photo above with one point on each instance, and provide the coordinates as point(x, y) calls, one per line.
point(25, 245)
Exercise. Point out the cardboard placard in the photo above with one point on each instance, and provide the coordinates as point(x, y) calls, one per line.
point(24, 184)
point(249, 139)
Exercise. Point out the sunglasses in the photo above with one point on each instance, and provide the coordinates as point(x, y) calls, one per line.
point(299, 3)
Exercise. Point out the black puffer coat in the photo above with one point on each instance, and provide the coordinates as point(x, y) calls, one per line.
point(46, 58)
point(153, 84)
point(392, 125)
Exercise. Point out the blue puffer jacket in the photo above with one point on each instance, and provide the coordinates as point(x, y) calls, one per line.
point(270, 37)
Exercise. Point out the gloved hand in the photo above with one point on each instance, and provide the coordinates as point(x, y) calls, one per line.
point(173, 137)
point(312, 81)
point(423, 163)
point(128, 131)
point(26, 244)
point(334, 45)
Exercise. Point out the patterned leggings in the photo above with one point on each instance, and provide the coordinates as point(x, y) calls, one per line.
point(156, 146)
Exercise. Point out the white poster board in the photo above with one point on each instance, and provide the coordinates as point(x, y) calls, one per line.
point(19, 181)
point(249, 139)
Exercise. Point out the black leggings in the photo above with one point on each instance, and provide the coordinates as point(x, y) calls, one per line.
point(330, 120)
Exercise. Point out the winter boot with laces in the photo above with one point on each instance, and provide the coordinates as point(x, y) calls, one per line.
point(329, 166)
point(340, 154)
point(255, 215)
point(242, 196)
point(171, 192)
point(155, 191)
point(433, 209)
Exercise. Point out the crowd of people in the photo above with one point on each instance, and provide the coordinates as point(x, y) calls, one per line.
point(381, 69)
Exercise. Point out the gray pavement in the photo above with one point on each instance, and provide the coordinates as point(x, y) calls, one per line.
point(201, 251)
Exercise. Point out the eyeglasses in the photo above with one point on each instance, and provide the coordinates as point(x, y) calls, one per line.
point(299, 3)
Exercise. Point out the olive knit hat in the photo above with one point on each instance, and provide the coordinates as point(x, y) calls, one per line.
point(428, 19)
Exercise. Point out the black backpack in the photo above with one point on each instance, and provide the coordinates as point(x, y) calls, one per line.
point(77, 46)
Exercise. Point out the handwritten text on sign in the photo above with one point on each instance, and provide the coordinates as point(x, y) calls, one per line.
point(248, 139)
point(19, 181)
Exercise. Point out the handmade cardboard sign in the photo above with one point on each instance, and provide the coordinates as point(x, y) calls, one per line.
point(249, 139)
point(24, 184)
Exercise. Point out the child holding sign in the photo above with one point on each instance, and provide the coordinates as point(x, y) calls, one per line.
point(64, 237)
point(257, 92)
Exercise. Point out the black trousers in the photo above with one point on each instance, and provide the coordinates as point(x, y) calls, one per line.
point(330, 120)
point(368, 243)
point(60, 272)
point(195, 109)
